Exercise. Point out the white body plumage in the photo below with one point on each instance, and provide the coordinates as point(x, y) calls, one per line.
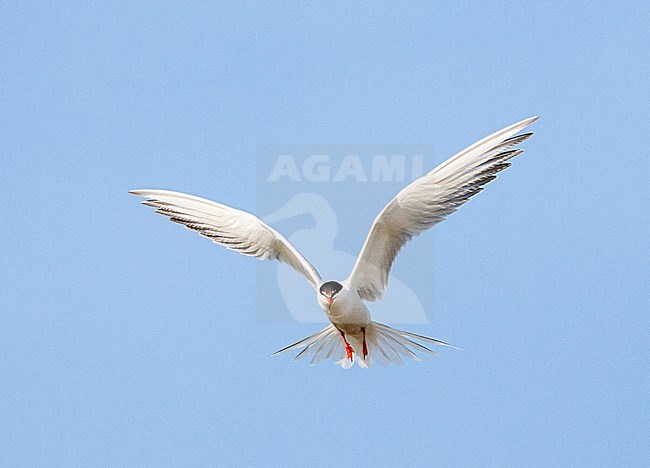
point(348, 312)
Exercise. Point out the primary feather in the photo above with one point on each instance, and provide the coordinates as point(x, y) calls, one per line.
point(232, 228)
point(427, 201)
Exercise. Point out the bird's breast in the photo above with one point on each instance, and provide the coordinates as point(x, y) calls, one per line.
point(348, 313)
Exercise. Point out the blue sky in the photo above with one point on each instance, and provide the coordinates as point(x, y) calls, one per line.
point(127, 341)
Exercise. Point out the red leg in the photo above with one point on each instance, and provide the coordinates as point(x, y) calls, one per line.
point(365, 346)
point(348, 349)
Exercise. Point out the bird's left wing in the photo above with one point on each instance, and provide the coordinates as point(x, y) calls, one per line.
point(427, 201)
point(232, 228)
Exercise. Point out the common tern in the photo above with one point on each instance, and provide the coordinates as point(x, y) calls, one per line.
point(352, 334)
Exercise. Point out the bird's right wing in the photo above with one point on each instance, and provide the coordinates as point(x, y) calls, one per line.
point(234, 229)
point(427, 201)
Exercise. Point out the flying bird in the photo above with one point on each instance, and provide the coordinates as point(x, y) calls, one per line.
point(352, 335)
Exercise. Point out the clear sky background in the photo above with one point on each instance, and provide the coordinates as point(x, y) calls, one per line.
point(127, 341)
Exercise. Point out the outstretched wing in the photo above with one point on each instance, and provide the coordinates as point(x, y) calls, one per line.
point(427, 201)
point(234, 229)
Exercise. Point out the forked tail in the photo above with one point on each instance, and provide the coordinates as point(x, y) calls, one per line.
point(386, 345)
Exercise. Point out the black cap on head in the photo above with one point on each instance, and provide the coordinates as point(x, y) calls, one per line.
point(330, 288)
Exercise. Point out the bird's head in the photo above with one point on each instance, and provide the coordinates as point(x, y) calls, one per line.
point(329, 290)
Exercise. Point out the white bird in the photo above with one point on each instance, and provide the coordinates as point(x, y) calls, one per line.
point(352, 334)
